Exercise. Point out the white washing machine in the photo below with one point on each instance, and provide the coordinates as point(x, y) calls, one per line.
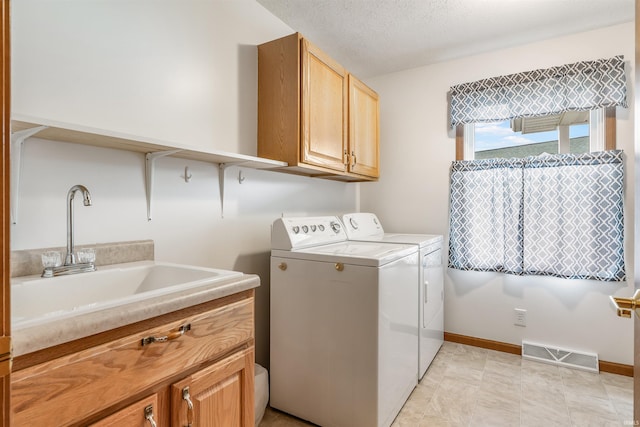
point(366, 227)
point(344, 339)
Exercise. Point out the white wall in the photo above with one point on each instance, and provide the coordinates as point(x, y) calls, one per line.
point(182, 71)
point(412, 196)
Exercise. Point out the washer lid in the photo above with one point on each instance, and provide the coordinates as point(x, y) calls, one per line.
point(350, 252)
point(366, 227)
point(414, 239)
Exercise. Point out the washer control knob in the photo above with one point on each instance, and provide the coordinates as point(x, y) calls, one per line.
point(305, 229)
point(354, 223)
point(321, 227)
point(335, 226)
point(313, 228)
point(296, 229)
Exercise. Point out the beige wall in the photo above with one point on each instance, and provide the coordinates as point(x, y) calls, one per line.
point(412, 196)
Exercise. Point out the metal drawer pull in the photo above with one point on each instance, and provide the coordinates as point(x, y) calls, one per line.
point(186, 396)
point(148, 415)
point(171, 335)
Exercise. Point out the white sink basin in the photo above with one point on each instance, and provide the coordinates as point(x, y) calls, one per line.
point(35, 300)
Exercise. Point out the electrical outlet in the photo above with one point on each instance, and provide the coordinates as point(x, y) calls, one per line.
point(520, 317)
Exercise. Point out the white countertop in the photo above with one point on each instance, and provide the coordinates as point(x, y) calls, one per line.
point(30, 339)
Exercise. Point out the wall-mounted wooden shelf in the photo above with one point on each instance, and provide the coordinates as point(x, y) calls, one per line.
point(23, 127)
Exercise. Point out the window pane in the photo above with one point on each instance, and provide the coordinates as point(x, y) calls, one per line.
point(532, 136)
point(493, 140)
point(579, 135)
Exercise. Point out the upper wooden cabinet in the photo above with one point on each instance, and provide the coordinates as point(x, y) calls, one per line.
point(324, 109)
point(313, 114)
point(363, 129)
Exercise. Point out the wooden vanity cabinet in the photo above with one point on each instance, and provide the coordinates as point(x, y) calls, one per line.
point(313, 114)
point(139, 414)
point(114, 381)
point(217, 395)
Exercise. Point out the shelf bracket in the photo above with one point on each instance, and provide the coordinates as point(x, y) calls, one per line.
point(221, 168)
point(17, 142)
point(149, 166)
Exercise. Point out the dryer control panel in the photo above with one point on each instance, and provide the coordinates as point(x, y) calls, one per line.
point(362, 224)
point(302, 232)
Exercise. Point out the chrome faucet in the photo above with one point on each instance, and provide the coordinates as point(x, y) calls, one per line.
point(70, 259)
point(70, 265)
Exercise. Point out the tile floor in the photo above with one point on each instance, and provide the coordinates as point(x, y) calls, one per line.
point(470, 386)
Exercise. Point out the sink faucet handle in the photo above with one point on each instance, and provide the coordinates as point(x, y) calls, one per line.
point(86, 255)
point(51, 259)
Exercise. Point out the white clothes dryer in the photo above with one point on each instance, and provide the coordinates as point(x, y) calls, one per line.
point(343, 316)
point(367, 227)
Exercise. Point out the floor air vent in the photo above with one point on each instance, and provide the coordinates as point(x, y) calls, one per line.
point(559, 356)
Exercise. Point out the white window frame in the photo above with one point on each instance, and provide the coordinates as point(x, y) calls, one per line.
point(598, 133)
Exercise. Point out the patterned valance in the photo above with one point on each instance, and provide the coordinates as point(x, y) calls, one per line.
point(581, 86)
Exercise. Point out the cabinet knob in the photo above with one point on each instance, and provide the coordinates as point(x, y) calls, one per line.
point(282, 266)
point(339, 266)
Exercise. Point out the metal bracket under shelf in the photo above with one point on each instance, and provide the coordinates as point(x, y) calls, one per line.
point(149, 167)
point(222, 167)
point(17, 143)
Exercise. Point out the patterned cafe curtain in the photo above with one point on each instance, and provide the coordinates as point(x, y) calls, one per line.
point(580, 86)
point(558, 215)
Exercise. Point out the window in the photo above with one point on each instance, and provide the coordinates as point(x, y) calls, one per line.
point(560, 214)
point(532, 136)
point(572, 132)
point(514, 213)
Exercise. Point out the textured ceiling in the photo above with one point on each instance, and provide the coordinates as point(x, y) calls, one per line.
point(373, 37)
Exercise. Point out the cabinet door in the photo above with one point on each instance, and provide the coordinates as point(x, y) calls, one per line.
point(143, 413)
point(363, 129)
point(324, 109)
point(219, 395)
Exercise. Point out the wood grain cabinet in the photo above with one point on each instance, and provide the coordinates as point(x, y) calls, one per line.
point(313, 114)
point(363, 129)
point(143, 413)
point(216, 396)
point(193, 366)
